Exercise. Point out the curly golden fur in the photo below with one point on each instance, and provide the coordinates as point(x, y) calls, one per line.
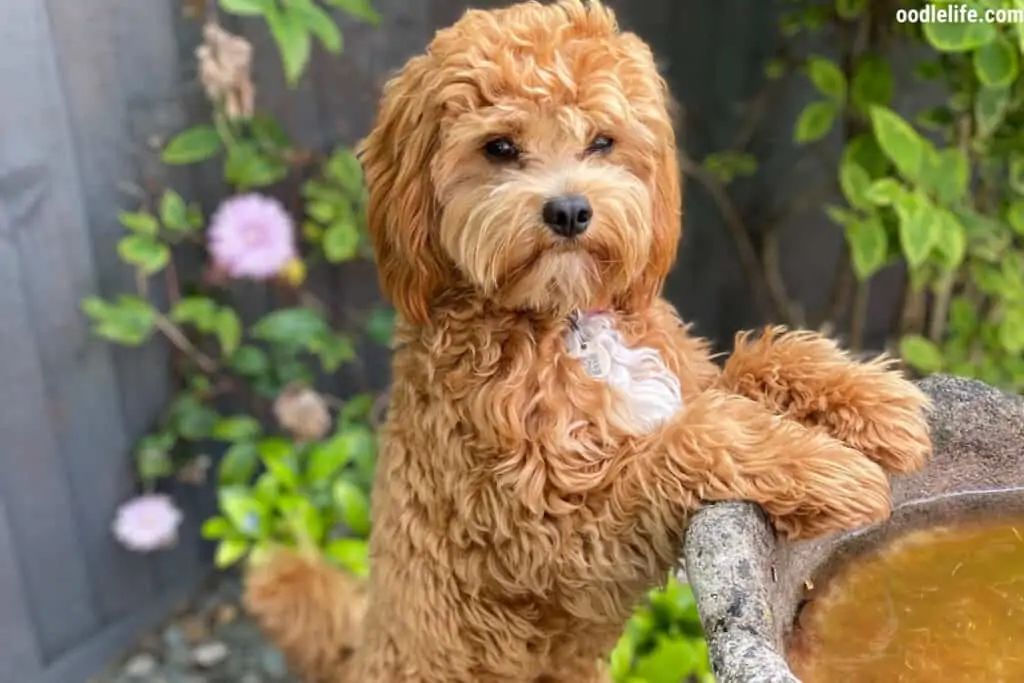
point(518, 516)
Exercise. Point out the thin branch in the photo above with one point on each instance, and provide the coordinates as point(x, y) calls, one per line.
point(792, 313)
point(178, 338)
point(859, 315)
point(943, 293)
point(773, 305)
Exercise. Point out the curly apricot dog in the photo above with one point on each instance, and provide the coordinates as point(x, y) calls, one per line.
point(552, 425)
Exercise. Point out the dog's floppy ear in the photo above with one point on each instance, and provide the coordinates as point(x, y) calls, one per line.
point(666, 216)
point(402, 211)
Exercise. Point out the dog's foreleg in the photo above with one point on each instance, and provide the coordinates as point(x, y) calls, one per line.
point(724, 446)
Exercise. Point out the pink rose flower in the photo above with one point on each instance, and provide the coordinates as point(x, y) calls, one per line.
point(252, 236)
point(148, 522)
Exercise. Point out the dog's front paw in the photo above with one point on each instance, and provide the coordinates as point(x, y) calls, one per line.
point(881, 414)
point(834, 490)
point(807, 378)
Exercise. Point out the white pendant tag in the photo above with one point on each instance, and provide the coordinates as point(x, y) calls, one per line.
point(596, 361)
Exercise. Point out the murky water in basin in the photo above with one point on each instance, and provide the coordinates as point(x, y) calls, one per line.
point(938, 606)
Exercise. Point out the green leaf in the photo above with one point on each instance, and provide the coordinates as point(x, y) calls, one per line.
point(242, 509)
point(229, 552)
point(278, 456)
point(245, 8)
point(321, 24)
point(333, 350)
point(855, 181)
point(1019, 4)
point(237, 428)
point(192, 145)
point(774, 69)
point(671, 660)
point(1011, 330)
point(1015, 216)
point(341, 242)
point(951, 36)
point(228, 328)
point(850, 9)
point(988, 279)
point(357, 408)
point(899, 141)
point(353, 506)
point(951, 238)
point(947, 174)
point(326, 459)
point(729, 165)
point(139, 222)
point(815, 121)
point(996, 63)
point(199, 311)
point(840, 216)
point(144, 252)
point(303, 518)
point(963, 316)
point(864, 151)
point(129, 321)
point(827, 77)
point(269, 132)
point(153, 456)
point(380, 325)
point(621, 660)
point(344, 169)
point(917, 233)
point(295, 327)
point(292, 36)
point(921, 354)
point(174, 212)
point(193, 419)
point(936, 118)
point(239, 464)
point(248, 167)
point(885, 191)
point(869, 246)
point(990, 107)
point(872, 83)
point(322, 212)
point(351, 554)
point(250, 361)
point(360, 9)
point(1017, 174)
point(216, 528)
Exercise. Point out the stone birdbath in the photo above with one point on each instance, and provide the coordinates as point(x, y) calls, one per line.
point(749, 585)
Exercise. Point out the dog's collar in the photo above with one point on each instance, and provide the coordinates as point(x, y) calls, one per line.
point(575, 316)
point(576, 329)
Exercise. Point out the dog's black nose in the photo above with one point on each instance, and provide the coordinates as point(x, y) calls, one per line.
point(568, 215)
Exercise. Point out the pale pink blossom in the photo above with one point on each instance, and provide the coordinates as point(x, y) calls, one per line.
point(252, 236)
point(148, 522)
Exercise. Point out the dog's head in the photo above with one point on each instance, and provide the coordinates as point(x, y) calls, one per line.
point(529, 153)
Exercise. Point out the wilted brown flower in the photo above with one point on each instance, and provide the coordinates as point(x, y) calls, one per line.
point(196, 471)
point(225, 70)
point(303, 412)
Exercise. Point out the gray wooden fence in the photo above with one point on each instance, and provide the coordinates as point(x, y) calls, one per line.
point(88, 88)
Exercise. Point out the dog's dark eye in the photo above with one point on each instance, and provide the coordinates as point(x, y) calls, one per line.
point(501, 149)
point(602, 143)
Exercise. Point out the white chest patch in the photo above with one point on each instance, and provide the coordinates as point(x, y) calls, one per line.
point(648, 392)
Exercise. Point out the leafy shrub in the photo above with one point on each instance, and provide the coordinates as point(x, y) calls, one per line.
point(295, 463)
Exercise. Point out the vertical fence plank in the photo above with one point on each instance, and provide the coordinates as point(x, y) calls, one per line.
point(56, 248)
point(18, 651)
point(48, 550)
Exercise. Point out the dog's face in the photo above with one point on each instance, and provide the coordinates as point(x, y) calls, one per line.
point(529, 154)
